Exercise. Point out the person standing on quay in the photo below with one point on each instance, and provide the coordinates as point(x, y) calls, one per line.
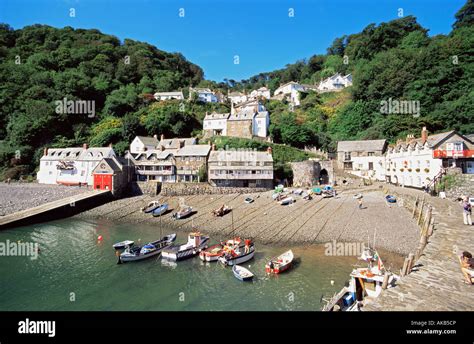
point(467, 210)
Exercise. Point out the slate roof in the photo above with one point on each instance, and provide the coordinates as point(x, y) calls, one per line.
point(361, 146)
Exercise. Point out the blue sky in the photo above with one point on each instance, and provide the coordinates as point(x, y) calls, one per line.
point(213, 32)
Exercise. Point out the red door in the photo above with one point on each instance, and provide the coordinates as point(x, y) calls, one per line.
point(103, 182)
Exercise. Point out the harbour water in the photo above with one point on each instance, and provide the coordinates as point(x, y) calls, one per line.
point(74, 271)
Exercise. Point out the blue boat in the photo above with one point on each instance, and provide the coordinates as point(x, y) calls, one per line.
point(163, 208)
point(391, 199)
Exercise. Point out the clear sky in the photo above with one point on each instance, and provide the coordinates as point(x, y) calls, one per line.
point(262, 33)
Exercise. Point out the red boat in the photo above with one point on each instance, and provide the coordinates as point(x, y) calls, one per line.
point(215, 251)
point(279, 264)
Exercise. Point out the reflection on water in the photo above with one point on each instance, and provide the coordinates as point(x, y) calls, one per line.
point(75, 271)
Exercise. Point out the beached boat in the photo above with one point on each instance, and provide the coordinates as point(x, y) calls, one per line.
point(148, 250)
point(391, 199)
point(317, 191)
point(163, 208)
point(123, 244)
point(221, 211)
point(248, 200)
point(287, 201)
point(239, 255)
point(279, 264)
point(185, 211)
point(196, 243)
point(364, 284)
point(212, 253)
point(151, 206)
point(242, 273)
point(327, 194)
point(298, 191)
point(357, 196)
point(306, 196)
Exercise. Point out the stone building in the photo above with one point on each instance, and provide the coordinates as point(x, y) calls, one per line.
point(190, 160)
point(112, 174)
point(312, 172)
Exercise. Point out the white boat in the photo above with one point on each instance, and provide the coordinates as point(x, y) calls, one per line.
point(148, 250)
point(298, 191)
point(196, 243)
point(183, 212)
point(357, 196)
point(123, 244)
point(150, 207)
point(239, 255)
point(248, 200)
point(214, 252)
point(287, 201)
point(242, 273)
point(279, 264)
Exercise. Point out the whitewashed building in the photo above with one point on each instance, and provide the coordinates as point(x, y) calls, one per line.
point(168, 95)
point(290, 90)
point(71, 166)
point(215, 124)
point(204, 95)
point(237, 97)
point(261, 92)
point(335, 83)
point(143, 143)
point(363, 158)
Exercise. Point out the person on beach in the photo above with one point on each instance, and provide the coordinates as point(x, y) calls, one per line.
point(467, 266)
point(360, 202)
point(467, 210)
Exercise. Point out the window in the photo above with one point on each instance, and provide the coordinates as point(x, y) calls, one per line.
point(370, 153)
point(347, 155)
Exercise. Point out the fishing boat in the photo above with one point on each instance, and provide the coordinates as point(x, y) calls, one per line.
point(196, 243)
point(287, 201)
point(163, 208)
point(248, 200)
point(365, 284)
point(183, 212)
point(279, 264)
point(150, 207)
point(221, 211)
point(357, 196)
point(242, 273)
point(391, 199)
point(123, 244)
point(241, 254)
point(212, 253)
point(148, 250)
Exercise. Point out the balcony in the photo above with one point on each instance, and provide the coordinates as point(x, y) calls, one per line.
point(440, 153)
point(236, 176)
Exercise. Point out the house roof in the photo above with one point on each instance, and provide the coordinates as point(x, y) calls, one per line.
point(237, 156)
point(76, 153)
point(361, 145)
point(242, 115)
point(160, 154)
point(194, 150)
point(148, 141)
point(215, 115)
point(175, 142)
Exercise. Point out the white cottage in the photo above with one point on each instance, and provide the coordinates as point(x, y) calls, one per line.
point(204, 95)
point(237, 97)
point(261, 92)
point(335, 83)
point(168, 95)
point(292, 90)
point(215, 124)
point(71, 166)
point(143, 143)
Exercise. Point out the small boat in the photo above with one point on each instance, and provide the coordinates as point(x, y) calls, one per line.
point(298, 191)
point(214, 252)
point(358, 196)
point(221, 211)
point(317, 191)
point(248, 200)
point(328, 194)
point(242, 273)
point(391, 199)
point(163, 208)
point(123, 244)
point(150, 207)
point(183, 212)
point(306, 196)
point(279, 264)
point(275, 195)
point(238, 255)
point(196, 243)
point(287, 201)
point(148, 250)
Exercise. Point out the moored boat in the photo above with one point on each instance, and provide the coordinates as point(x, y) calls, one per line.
point(123, 244)
point(150, 207)
point(279, 264)
point(148, 250)
point(162, 209)
point(212, 253)
point(391, 199)
point(287, 201)
point(242, 273)
point(196, 243)
point(248, 200)
point(239, 255)
point(183, 212)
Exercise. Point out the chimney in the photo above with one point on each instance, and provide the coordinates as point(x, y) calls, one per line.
point(162, 137)
point(85, 146)
point(181, 144)
point(110, 145)
point(155, 136)
point(213, 147)
point(162, 148)
point(270, 150)
point(424, 135)
point(45, 151)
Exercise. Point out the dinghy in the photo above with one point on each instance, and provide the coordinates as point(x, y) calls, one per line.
point(239, 255)
point(391, 199)
point(287, 201)
point(150, 207)
point(148, 250)
point(196, 243)
point(221, 211)
point(183, 212)
point(279, 264)
point(358, 196)
point(163, 208)
point(123, 244)
point(298, 192)
point(214, 252)
point(306, 196)
point(317, 191)
point(248, 200)
point(242, 273)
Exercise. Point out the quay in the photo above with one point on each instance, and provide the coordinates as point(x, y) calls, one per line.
point(57, 209)
point(436, 282)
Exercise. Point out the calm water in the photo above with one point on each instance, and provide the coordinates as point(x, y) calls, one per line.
point(73, 261)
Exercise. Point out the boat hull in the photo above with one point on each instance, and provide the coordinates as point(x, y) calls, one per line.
point(241, 277)
point(237, 260)
point(133, 258)
point(175, 255)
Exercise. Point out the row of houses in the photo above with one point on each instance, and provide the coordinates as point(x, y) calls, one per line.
point(415, 162)
point(290, 91)
point(149, 159)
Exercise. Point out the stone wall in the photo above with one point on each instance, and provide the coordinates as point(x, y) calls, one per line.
point(186, 189)
point(307, 173)
point(241, 128)
point(462, 186)
point(151, 188)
